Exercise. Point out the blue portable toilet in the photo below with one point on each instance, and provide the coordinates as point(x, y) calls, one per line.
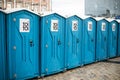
point(101, 41)
point(73, 42)
point(52, 44)
point(2, 47)
point(112, 39)
point(89, 35)
point(22, 31)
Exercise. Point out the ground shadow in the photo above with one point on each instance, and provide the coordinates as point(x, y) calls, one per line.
point(116, 62)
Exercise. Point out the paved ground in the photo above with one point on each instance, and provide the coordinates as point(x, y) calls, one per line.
point(106, 70)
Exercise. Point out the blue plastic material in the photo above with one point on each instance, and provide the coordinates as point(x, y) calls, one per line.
point(101, 41)
point(112, 39)
point(2, 47)
point(119, 40)
point(73, 42)
point(52, 44)
point(89, 35)
point(22, 45)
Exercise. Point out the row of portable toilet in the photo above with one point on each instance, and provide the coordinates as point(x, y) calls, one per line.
point(106, 39)
point(33, 45)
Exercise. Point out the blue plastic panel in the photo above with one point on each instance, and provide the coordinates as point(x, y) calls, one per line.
point(101, 41)
point(73, 42)
point(112, 40)
point(119, 40)
point(89, 35)
point(52, 44)
point(2, 47)
point(22, 44)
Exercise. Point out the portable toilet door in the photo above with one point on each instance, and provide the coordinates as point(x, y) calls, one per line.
point(112, 40)
point(101, 41)
point(52, 44)
point(89, 35)
point(2, 47)
point(73, 42)
point(22, 44)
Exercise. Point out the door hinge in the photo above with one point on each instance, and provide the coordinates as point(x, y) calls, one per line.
point(46, 46)
point(14, 47)
point(67, 64)
point(47, 21)
point(46, 69)
point(14, 19)
point(68, 43)
point(15, 75)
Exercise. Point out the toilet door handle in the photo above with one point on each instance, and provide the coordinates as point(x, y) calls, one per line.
point(31, 43)
point(92, 40)
point(104, 38)
point(77, 40)
point(59, 42)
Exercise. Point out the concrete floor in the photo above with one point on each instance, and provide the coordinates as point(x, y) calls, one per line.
point(106, 70)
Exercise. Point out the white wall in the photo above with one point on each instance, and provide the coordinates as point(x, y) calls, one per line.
point(68, 6)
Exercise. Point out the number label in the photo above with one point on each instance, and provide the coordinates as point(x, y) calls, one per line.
point(74, 25)
point(90, 26)
point(113, 27)
point(24, 25)
point(103, 27)
point(54, 25)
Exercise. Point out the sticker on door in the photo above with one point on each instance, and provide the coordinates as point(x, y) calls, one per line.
point(113, 27)
point(24, 25)
point(54, 25)
point(103, 26)
point(89, 26)
point(74, 25)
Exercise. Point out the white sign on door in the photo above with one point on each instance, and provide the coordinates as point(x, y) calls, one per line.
point(74, 25)
point(54, 25)
point(103, 27)
point(24, 25)
point(113, 27)
point(89, 26)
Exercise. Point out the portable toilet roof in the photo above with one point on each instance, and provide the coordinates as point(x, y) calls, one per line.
point(66, 15)
point(46, 13)
point(99, 18)
point(51, 13)
point(88, 17)
point(118, 20)
point(85, 17)
point(109, 19)
point(16, 10)
point(74, 15)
